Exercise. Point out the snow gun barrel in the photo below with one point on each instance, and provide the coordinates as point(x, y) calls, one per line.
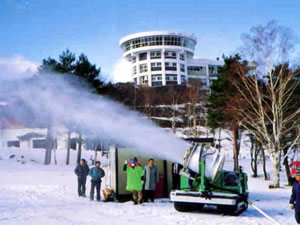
point(196, 155)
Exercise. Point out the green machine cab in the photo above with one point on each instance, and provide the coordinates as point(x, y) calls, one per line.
point(204, 182)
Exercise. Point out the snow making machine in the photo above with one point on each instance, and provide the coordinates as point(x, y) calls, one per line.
point(204, 182)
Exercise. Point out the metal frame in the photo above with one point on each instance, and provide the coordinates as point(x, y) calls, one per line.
point(196, 197)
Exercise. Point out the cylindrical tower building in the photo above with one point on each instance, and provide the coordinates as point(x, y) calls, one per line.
point(158, 58)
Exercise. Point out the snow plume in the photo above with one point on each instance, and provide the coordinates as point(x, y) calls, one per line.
point(122, 71)
point(16, 67)
point(64, 99)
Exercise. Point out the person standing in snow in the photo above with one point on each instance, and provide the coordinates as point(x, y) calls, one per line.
point(295, 197)
point(134, 180)
point(151, 177)
point(81, 171)
point(96, 174)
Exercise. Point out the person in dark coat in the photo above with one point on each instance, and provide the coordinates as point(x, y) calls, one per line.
point(81, 171)
point(295, 197)
point(96, 174)
point(151, 177)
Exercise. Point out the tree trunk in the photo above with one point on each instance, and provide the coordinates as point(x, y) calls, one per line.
point(235, 137)
point(253, 155)
point(96, 151)
point(287, 168)
point(195, 121)
point(276, 165)
point(79, 149)
point(68, 148)
point(174, 122)
point(219, 147)
point(264, 163)
point(49, 146)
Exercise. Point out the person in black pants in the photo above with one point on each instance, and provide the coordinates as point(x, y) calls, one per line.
point(295, 197)
point(96, 173)
point(82, 170)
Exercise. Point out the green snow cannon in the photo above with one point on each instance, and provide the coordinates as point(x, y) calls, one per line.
point(204, 182)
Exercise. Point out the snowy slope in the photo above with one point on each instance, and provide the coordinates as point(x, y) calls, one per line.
point(32, 193)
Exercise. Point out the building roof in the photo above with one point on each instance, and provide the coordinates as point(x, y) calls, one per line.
point(156, 33)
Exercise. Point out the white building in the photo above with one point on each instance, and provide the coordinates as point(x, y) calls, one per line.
point(161, 58)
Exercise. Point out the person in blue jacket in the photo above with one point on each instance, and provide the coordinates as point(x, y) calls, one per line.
point(96, 174)
point(295, 197)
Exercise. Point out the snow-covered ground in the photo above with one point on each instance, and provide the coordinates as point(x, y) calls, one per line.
point(32, 193)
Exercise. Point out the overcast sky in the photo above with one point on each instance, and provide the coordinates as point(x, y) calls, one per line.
point(31, 30)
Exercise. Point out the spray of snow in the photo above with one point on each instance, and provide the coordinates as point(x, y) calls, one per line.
point(122, 71)
point(54, 99)
point(16, 67)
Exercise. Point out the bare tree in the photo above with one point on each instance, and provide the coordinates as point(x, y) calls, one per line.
point(256, 152)
point(148, 100)
point(267, 89)
point(49, 146)
point(79, 148)
point(173, 97)
point(195, 100)
point(68, 147)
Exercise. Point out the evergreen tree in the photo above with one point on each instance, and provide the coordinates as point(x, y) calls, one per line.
point(223, 95)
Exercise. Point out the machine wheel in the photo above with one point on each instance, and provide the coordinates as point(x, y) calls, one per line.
point(232, 210)
point(227, 209)
point(197, 206)
point(187, 207)
point(182, 207)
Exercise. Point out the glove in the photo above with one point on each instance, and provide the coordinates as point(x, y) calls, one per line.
point(125, 162)
point(291, 206)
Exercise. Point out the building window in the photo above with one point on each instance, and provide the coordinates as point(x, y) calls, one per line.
point(135, 80)
point(171, 82)
point(170, 66)
point(41, 143)
point(158, 40)
point(183, 80)
point(13, 144)
point(134, 70)
point(203, 83)
point(155, 55)
point(156, 77)
point(143, 68)
point(182, 68)
point(196, 70)
point(181, 56)
point(156, 66)
point(213, 70)
point(171, 77)
point(144, 80)
point(172, 40)
point(170, 55)
point(133, 59)
point(143, 56)
point(156, 83)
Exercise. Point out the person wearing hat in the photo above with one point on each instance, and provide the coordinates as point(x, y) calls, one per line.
point(134, 180)
point(295, 197)
point(96, 174)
